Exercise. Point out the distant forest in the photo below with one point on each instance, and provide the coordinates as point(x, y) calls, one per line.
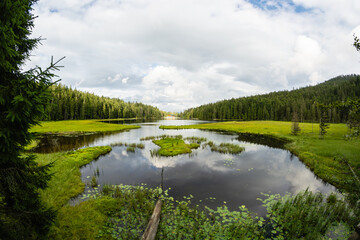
point(281, 105)
point(71, 104)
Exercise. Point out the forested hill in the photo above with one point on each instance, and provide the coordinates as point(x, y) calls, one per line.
point(67, 103)
point(281, 105)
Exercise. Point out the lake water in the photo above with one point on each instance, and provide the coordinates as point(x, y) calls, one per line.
point(211, 177)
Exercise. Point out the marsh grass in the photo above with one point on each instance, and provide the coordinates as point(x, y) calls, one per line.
point(172, 146)
point(197, 140)
point(66, 182)
point(322, 156)
point(160, 137)
point(79, 126)
point(130, 149)
point(225, 148)
point(93, 182)
point(129, 145)
point(306, 215)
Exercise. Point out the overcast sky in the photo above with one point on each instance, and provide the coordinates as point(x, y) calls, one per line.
point(177, 54)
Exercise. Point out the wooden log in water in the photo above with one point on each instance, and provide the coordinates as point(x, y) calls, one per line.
point(151, 229)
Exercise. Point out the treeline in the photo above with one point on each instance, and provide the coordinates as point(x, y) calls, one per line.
point(71, 104)
point(280, 106)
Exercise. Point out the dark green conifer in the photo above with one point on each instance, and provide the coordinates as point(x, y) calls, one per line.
point(23, 96)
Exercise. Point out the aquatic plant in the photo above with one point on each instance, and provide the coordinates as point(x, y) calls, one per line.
point(305, 215)
point(140, 145)
point(147, 138)
point(173, 146)
point(93, 182)
point(225, 148)
point(197, 140)
point(130, 149)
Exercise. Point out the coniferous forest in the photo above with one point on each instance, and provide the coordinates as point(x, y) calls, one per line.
point(71, 104)
point(280, 106)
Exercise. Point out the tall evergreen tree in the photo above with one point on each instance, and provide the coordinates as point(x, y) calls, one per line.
point(23, 97)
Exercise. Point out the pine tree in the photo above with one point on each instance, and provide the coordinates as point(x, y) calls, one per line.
point(295, 128)
point(324, 119)
point(23, 97)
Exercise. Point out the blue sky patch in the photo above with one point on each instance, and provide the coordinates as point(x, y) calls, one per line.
point(273, 5)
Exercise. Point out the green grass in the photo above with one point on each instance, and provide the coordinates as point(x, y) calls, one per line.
point(225, 148)
point(66, 182)
point(174, 146)
point(322, 156)
point(132, 145)
point(79, 126)
point(92, 218)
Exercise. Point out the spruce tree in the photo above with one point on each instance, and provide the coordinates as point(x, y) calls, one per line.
point(23, 97)
point(295, 128)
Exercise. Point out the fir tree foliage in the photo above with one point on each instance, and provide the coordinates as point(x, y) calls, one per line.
point(324, 119)
point(23, 97)
point(71, 104)
point(295, 128)
point(279, 106)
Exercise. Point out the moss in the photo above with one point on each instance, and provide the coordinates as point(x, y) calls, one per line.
point(66, 181)
point(83, 221)
point(173, 146)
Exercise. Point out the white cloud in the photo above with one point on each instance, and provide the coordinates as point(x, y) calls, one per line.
point(179, 54)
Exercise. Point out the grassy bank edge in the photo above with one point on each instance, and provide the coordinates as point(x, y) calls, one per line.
point(322, 156)
point(85, 219)
point(66, 180)
point(79, 126)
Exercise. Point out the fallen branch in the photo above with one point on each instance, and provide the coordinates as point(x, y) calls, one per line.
point(151, 229)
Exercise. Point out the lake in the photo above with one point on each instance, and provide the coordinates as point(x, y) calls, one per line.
point(211, 177)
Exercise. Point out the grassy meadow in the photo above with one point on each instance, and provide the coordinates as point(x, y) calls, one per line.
point(79, 126)
point(325, 157)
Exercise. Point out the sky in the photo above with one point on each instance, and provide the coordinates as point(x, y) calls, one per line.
point(178, 54)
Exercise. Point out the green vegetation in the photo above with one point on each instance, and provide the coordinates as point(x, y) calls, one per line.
point(322, 156)
point(66, 182)
point(23, 97)
point(159, 137)
point(289, 217)
point(307, 215)
point(132, 145)
point(130, 149)
point(197, 140)
point(121, 212)
point(71, 104)
point(280, 106)
point(172, 146)
point(175, 145)
point(79, 126)
point(225, 148)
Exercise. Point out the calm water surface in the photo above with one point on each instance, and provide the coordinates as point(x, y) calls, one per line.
point(236, 179)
